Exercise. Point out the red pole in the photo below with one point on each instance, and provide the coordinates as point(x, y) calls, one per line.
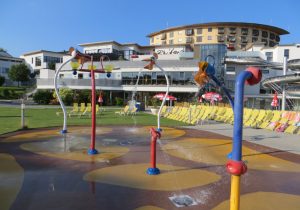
point(154, 135)
point(92, 149)
point(153, 151)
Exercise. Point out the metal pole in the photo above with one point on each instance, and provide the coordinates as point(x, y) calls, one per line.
point(283, 86)
point(164, 99)
point(22, 114)
point(64, 130)
point(92, 150)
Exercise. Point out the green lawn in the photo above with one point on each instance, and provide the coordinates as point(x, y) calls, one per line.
point(46, 117)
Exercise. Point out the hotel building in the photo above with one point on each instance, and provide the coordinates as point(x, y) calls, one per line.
point(179, 56)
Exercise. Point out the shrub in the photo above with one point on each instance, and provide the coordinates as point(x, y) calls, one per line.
point(83, 96)
point(119, 101)
point(43, 97)
point(2, 80)
point(66, 95)
point(6, 93)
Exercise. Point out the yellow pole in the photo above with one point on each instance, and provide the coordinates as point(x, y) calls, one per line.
point(235, 193)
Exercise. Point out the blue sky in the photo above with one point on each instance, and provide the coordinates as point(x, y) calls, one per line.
point(28, 25)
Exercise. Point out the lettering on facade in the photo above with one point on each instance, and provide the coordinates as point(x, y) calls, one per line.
point(169, 51)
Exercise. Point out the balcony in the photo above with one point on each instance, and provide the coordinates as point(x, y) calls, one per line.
point(244, 31)
point(232, 30)
point(189, 40)
point(265, 34)
point(221, 38)
point(255, 32)
point(189, 32)
point(78, 83)
point(231, 39)
point(244, 39)
point(221, 31)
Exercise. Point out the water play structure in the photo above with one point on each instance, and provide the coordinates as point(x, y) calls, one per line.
point(156, 133)
point(77, 61)
point(235, 165)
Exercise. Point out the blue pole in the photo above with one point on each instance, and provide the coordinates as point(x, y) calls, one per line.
point(238, 115)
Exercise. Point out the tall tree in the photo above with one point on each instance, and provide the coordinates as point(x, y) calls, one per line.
point(19, 73)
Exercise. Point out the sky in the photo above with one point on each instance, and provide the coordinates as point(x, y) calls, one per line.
point(55, 25)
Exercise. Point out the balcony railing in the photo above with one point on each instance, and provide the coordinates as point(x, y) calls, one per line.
point(79, 82)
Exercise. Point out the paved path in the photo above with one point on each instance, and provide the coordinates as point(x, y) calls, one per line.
point(281, 141)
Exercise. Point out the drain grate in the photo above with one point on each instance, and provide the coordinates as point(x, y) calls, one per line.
point(182, 200)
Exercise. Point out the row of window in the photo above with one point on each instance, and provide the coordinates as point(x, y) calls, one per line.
point(47, 59)
point(158, 78)
point(222, 30)
point(50, 59)
point(231, 39)
point(269, 55)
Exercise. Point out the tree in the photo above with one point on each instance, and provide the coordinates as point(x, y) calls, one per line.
point(51, 65)
point(2, 80)
point(19, 73)
point(66, 95)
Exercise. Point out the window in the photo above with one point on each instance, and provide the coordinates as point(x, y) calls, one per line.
point(171, 34)
point(231, 38)
point(254, 39)
point(230, 69)
point(221, 39)
point(189, 32)
point(272, 36)
point(209, 29)
point(163, 36)
point(265, 41)
point(199, 30)
point(80, 76)
point(232, 30)
point(269, 56)
point(32, 60)
point(50, 59)
point(209, 37)
point(286, 53)
point(272, 44)
point(265, 71)
point(244, 31)
point(189, 40)
point(199, 39)
point(180, 40)
point(171, 41)
point(179, 32)
point(221, 30)
point(61, 76)
point(264, 34)
point(152, 39)
point(255, 32)
point(153, 78)
point(181, 75)
point(38, 61)
point(163, 42)
point(244, 39)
